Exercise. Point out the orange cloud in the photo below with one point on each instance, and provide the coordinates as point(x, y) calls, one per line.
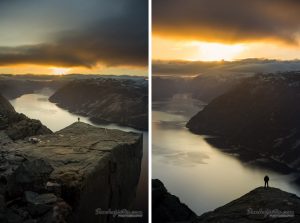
point(230, 21)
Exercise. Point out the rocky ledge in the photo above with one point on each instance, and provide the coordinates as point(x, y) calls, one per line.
point(89, 167)
point(259, 205)
point(67, 175)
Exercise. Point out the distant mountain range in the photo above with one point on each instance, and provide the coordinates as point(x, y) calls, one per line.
point(237, 67)
point(208, 80)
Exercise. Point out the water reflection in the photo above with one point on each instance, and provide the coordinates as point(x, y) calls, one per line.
point(202, 176)
point(37, 106)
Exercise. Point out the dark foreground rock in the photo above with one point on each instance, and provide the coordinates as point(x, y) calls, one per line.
point(124, 102)
point(259, 205)
point(260, 115)
point(167, 207)
point(80, 168)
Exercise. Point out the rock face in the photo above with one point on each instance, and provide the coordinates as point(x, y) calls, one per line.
point(124, 102)
point(260, 115)
point(167, 207)
point(81, 167)
point(259, 205)
point(17, 126)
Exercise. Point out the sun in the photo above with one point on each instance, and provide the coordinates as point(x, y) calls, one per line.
point(218, 51)
point(59, 70)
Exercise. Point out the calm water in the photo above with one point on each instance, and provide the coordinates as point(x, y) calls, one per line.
point(202, 176)
point(37, 106)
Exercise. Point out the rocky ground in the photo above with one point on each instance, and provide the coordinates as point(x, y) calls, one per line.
point(121, 101)
point(259, 205)
point(67, 175)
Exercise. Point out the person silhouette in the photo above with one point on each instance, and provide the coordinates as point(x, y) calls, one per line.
point(78, 119)
point(266, 179)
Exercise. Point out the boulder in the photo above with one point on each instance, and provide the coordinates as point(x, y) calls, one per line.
point(39, 199)
point(30, 175)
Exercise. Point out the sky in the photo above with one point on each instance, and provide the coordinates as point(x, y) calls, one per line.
point(74, 36)
point(227, 30)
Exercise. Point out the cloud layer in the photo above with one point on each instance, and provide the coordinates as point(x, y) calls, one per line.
point(246, 66)
point(113, 33)
point(228, 20)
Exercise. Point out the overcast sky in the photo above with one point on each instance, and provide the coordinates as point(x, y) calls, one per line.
point(214, 30)
point(74, 34)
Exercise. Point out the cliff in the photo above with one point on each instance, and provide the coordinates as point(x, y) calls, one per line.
point(124, 102)
point(65, 176)
point(259, 205)
point(87, 168)
point(260, 116)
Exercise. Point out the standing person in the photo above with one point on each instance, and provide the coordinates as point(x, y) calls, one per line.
point(266, 179)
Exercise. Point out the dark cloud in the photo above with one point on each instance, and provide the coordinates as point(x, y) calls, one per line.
point(228, 20)
point(246, 66)
point(120, 38)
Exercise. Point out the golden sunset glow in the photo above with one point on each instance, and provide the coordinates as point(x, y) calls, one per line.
point(60, 70)
point(49, 70)
point(217, 51)
point(179, 49)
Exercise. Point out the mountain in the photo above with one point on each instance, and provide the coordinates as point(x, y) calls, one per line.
point(259, 117)
point(204, 87)
point(13, 88)
point(121, 101)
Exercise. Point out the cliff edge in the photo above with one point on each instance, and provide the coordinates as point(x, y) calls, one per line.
point(74, 175)
point(259, 205)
